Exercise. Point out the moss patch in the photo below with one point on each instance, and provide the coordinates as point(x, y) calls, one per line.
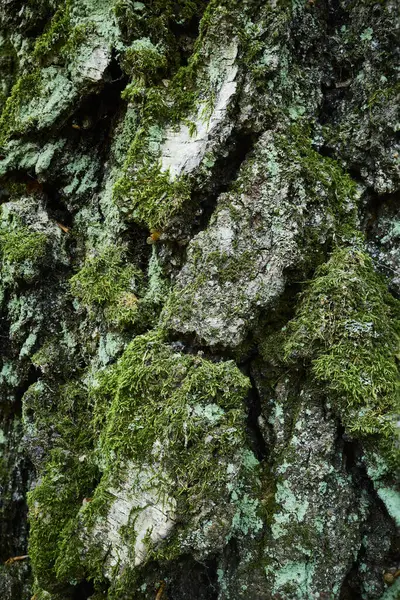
point(106, 281)
point(23, 244)
point(68, 477)
point(159, 394)
point(26, 87)
point(148, 195)
point(184, 413)
point(23, 251)
point(347, 326)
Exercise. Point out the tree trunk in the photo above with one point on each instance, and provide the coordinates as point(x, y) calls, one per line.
point(200, 328)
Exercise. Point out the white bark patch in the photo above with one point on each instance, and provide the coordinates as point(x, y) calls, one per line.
point(139, 504)
point(181, 152)
point(94, 67)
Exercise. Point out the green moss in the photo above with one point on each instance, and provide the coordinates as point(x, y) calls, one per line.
point(68, 477)
point(153, 397)
point(154, 393)
point(22, 245)
point(79, 35)
point(148, 195)
point(317, 170)
point(153, 20)
point(123, 294)
point(232, 269)
point(26, 87)
point(61, 38)
point(23, 251)
point(143, 60)
point(144, 192)
point(53, 506)
point(105, 281)
point(56, 34)
point(123, 310)
point(347, 326)
point(383, 96)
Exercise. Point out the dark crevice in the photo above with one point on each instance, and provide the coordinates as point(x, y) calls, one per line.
point(139, 250)
point(32, 377)
point(348, 591)
point(14, 513)
point(55, 206)
point(354, 170)
point(185, 574)
point(186, 34)
point(326, 151)
point(83, 590)
point(115, 76)
point(20, 507)
point(224, 173)
point(340, 72)
point(97, 110)
point(378, 217)
point(48, 192)
point(352, 453)
point(372, 207)
point(336, 17)
point(253, 402)
point(333, 95)
point(86, 131)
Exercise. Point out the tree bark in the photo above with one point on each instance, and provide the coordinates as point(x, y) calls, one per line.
point(200, 273)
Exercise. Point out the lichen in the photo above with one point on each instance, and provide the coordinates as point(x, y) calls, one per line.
point(247, 139)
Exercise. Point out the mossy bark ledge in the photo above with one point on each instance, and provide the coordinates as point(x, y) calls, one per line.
point(200, 300)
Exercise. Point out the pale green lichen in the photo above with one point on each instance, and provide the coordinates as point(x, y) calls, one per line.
point(295, 578)
point(393, 592)
point(391, 499)
point(292, 509)
point(154, 391)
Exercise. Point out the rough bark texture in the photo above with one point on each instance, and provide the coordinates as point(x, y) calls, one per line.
point(200, 266)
